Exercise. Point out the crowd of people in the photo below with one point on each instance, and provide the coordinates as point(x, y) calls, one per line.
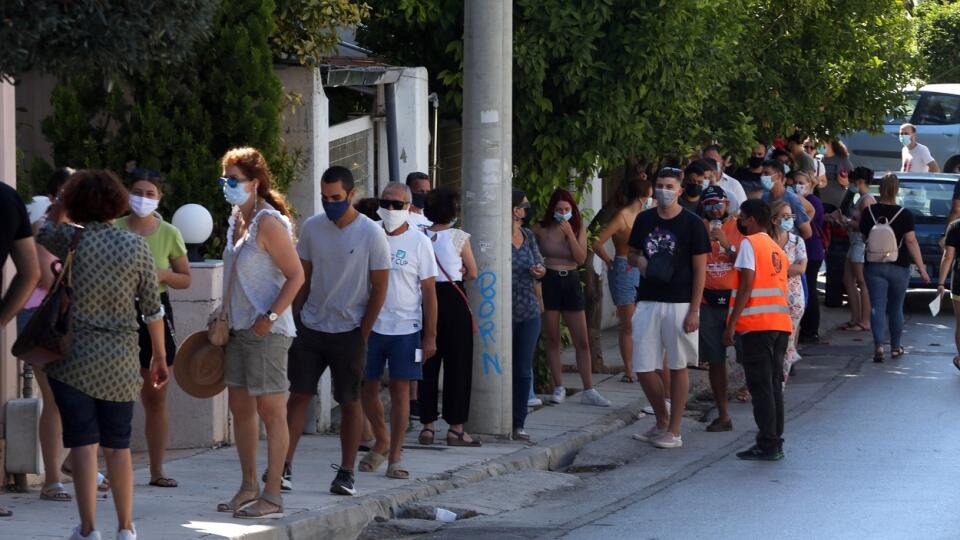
point(707, 258)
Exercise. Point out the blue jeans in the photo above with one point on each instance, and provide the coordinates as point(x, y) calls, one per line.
point(525, 336)
point(887, 283)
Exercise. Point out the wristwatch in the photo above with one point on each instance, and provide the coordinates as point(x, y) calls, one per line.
point(271, 316)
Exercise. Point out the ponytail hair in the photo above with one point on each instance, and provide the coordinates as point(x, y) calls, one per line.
point(254, 166)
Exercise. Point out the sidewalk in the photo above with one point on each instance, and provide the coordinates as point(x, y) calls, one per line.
point(212, 476)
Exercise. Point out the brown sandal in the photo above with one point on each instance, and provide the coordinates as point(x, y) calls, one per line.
point(238, 501)
point(425, 439)
point(265, 507)
point(55, 492)
point(164, 482)
point(458, 439)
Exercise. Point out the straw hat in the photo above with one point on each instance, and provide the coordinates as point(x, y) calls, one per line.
point(198, 366)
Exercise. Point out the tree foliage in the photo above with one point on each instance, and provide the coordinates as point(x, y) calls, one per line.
point(308, 29)
point(938, 41)
point(598, 80)
point(78, 36)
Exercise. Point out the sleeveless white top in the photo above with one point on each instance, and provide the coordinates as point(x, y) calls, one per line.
point(258, 280)
point(448, 244)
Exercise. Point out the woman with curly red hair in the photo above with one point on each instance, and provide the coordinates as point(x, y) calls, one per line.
point(562, 237)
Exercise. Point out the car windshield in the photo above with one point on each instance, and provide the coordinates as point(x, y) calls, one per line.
point(929, 200)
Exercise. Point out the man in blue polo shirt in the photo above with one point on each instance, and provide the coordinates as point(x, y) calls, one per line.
point(774, 191)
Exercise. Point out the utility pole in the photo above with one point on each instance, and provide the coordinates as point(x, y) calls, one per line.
point(487, 184)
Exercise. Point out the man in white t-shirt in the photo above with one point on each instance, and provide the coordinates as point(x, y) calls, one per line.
point(735, 192)
point(915, 156)
point(396, 339)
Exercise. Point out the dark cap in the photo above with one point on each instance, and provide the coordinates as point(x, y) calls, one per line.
point(713, 193)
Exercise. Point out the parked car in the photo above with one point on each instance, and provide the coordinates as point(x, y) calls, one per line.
point(929, 197)
point(935, 111)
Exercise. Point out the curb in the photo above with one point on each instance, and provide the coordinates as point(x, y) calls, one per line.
point(348, 521)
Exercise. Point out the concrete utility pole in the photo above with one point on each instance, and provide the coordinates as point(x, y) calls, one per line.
point(487, 184)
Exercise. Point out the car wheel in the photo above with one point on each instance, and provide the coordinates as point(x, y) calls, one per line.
point(953, 165)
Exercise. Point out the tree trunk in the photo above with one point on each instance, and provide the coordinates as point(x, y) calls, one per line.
point(593, 289)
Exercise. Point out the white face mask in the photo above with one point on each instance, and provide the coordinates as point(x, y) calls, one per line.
point(393, 219)
point(143, 206)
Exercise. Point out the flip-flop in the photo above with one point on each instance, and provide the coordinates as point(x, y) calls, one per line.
point(856, 327)
point(55, 492)
point(717, 426)
point(258, 510)
point(103, 483)
point(237, 503)
point(395, 471)
point(164, 482)
point(458, 439)
point(626, 379)
point(956, 362)
point(425, 439)
point(371, 461)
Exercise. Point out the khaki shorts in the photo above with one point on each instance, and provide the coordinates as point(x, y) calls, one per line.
point(258, 364)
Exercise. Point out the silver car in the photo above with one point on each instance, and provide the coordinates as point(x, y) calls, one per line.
point(935, 111)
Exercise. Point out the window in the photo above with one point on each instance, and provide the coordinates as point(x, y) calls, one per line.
point(930, 202)
point(905, 113)
point(938, 110)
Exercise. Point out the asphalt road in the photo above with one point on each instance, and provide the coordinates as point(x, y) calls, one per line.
point(872, 451)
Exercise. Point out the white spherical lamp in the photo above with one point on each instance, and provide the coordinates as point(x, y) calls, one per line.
point(196, 226)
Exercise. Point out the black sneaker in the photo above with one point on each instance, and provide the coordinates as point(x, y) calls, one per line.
point(343, 483)
point(286, 479)
point(754, 453)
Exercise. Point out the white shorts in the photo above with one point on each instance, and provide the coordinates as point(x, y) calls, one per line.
point(658, 328)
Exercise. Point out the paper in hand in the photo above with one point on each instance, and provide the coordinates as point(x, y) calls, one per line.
point(935, 305)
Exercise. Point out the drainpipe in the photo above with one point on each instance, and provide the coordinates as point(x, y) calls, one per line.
point(434, 100)
point(393, 145)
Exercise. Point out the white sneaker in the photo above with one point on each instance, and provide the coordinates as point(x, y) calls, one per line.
point(559, 395)
point(668, 440)
point(649, 408)
point(534, 402)
point(127, 534)
point(592, 397)
point(650, 434)
point(94, 535)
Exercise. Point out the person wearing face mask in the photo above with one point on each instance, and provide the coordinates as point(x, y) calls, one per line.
point(670, 248)
point(816, 252)
point(761, 323)
point(854, 279)
point(562, 238)
point(796, 250)
point(173, 271)
point(735, 192)
point(719, 282)
point(694, 180)
point(420, 185)
point(801, 159)
point(816, 153)
point(749, 176)
point(262, 277)
point(346, 259)
point(526, 267)
point(915, 156)
point(774, 191)
point(621, 277)
point(410, 309)
point(837, 164)
point(454, 324)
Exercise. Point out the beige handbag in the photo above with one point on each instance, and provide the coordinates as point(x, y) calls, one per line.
point(218, 326)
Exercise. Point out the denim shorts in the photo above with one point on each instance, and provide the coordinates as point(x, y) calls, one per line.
point(858, 248)
point(258, 364)
point(399, 352)
point(623, 281)
point(87, 420)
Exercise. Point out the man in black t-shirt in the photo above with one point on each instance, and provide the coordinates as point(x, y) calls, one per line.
point(951, 264)
point(669, 245)
point(16, 241)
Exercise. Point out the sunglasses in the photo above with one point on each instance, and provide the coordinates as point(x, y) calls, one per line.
point(231, 181)
point(390, 204)
point(712, 207)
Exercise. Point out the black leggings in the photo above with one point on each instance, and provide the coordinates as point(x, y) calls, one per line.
point(455, 352)
point(810, 323)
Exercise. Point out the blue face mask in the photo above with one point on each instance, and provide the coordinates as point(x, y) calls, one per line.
point(786, 169)
point(648, 203)
point(336, 209)
point(822, 150)
point(235, 195)
point(792, 189)
point(786, 224)
point(767, 182)
point(563, 217)
point(905, 139)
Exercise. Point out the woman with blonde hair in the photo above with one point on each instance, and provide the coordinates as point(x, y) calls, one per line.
point(263, 275)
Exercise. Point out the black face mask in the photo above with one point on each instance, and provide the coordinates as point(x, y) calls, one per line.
point(741, 228)
point(755, 162)
point(419, 200)
point(692, 190)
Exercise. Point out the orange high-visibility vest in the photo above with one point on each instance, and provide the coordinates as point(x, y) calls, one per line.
point(767, 307)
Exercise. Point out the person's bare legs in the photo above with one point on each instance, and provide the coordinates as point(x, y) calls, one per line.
point(366, 431)
point(120, 470)
point(156, 425)
point(351, 426)
point(577, 324)
point(664, 375)
point(861, 282)
point(373, 410)
point(399, 417)
point(246, 431)
point(652, 387)
point(297, 405)
point(84, 466)
point(51, 431)
point(551, 334)
point(718, 385)
point(273, 411)
point(679, 386)
point(853, 293)
point(625, 315)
